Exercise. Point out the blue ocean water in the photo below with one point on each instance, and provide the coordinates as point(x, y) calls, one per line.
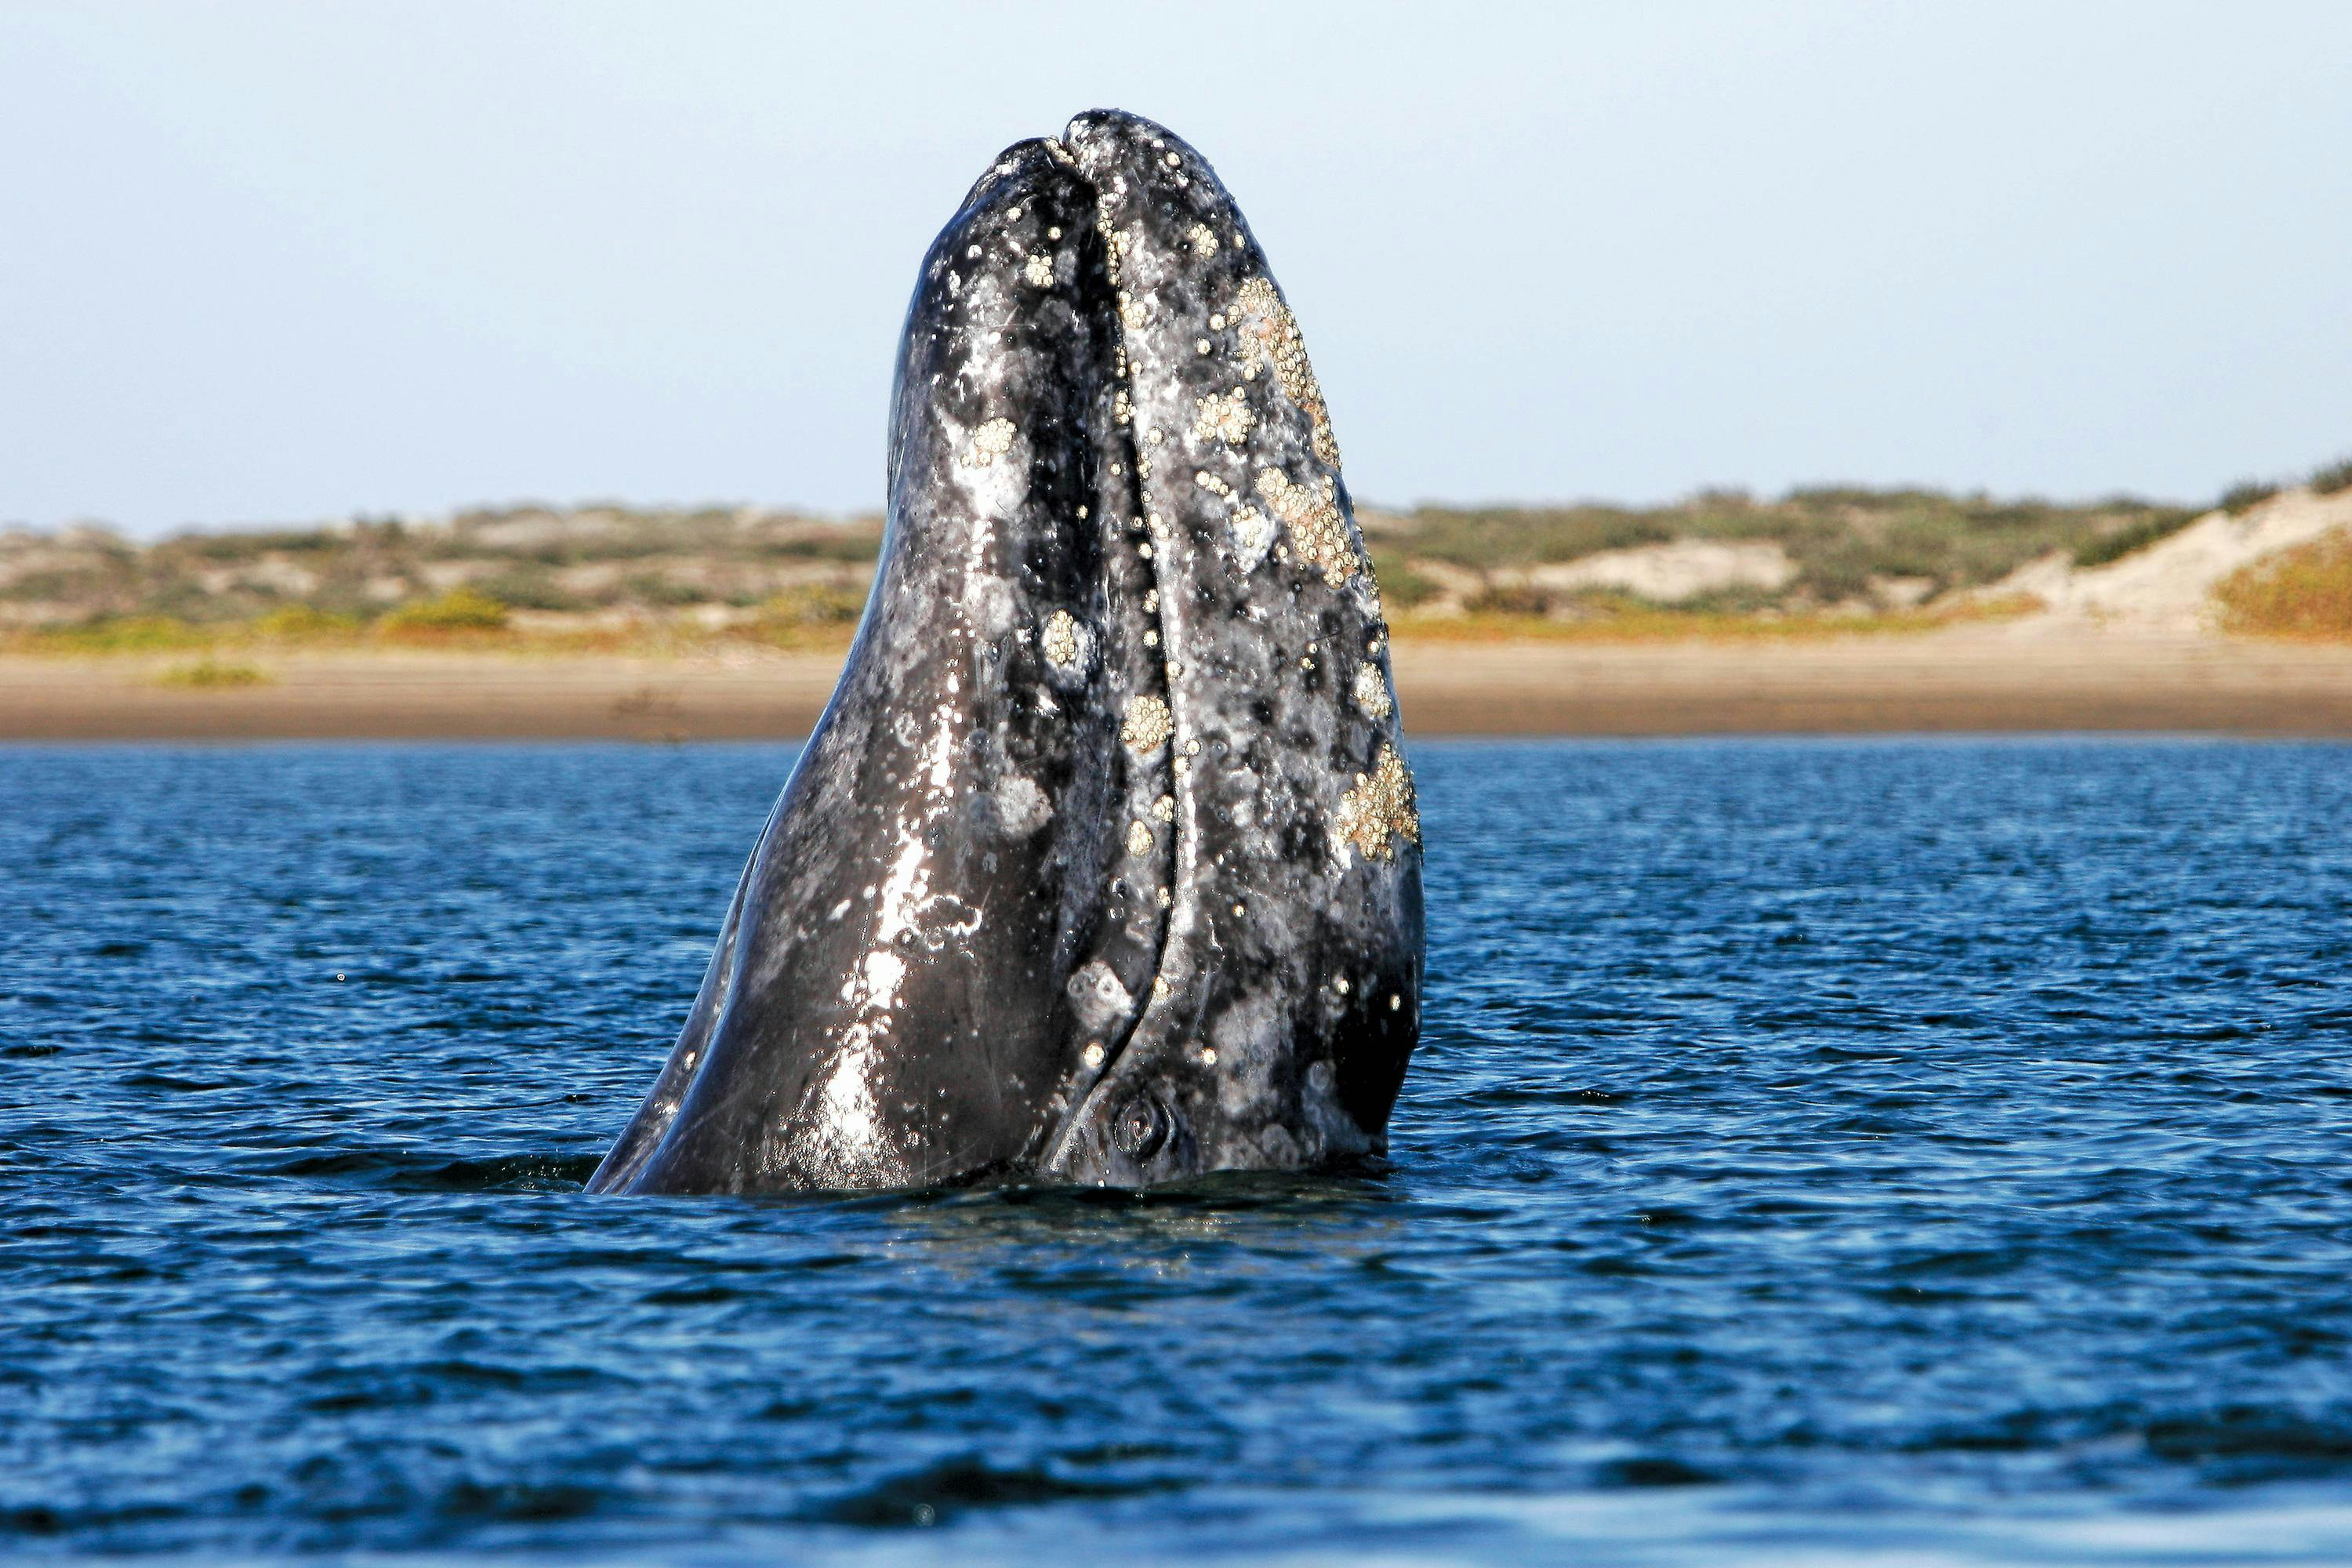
point(1818, 1152)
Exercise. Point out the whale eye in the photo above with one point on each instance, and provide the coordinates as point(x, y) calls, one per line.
point(1140, 1128)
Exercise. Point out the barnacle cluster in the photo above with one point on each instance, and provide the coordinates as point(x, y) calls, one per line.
point(1148, 723)
point(1270, 332)
point(989, 442)
point(1379, 809)
point(1317, 528)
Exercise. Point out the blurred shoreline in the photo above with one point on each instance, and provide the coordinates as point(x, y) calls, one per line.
point(1829, 610)
point(2033, 675)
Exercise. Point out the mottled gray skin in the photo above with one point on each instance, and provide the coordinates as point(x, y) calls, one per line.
point(1001, 920)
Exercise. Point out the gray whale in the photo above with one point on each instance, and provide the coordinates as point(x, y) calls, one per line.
point(1103, 864)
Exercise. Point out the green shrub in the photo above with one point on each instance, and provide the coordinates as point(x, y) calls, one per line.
point(2334, 477)
point(2133, 536)
point(806, 616)
point(126, 633)
point(247, 546)
point(1837, 577)
point(209, 673)
point(303, 623)
point(54, 585)
point(531, 586)
point(1400, 586)
point(180, 599)
point(813, 604)
point(858, 540)
point(1511, 599)
point(653, 588)
point(1492, 537)
point(459, 610)
point(2246, 495)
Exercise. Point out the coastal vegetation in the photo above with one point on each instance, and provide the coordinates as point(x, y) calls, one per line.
point(1838, 547)
point(1819, 559)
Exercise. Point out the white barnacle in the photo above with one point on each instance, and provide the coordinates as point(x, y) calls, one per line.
point(1373, 692)
point(1203, 238)
point(1039, 271)
point(989, 442)
point(1139, 838)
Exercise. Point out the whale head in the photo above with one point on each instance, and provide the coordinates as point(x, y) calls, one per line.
point(1103, 863)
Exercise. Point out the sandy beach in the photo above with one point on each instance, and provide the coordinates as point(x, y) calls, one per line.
point(2023, 676)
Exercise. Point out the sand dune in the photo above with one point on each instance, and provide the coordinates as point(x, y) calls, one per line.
point(1675, 571)
point(2170, 585)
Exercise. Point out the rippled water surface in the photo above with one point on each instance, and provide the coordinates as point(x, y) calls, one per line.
point(1818, 1152)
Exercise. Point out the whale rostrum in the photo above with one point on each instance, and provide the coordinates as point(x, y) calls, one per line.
point(1103, 864)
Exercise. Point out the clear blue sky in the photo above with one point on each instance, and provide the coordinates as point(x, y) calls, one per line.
point(280, 261)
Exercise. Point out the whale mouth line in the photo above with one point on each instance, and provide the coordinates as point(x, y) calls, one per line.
point(1062, 1132)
